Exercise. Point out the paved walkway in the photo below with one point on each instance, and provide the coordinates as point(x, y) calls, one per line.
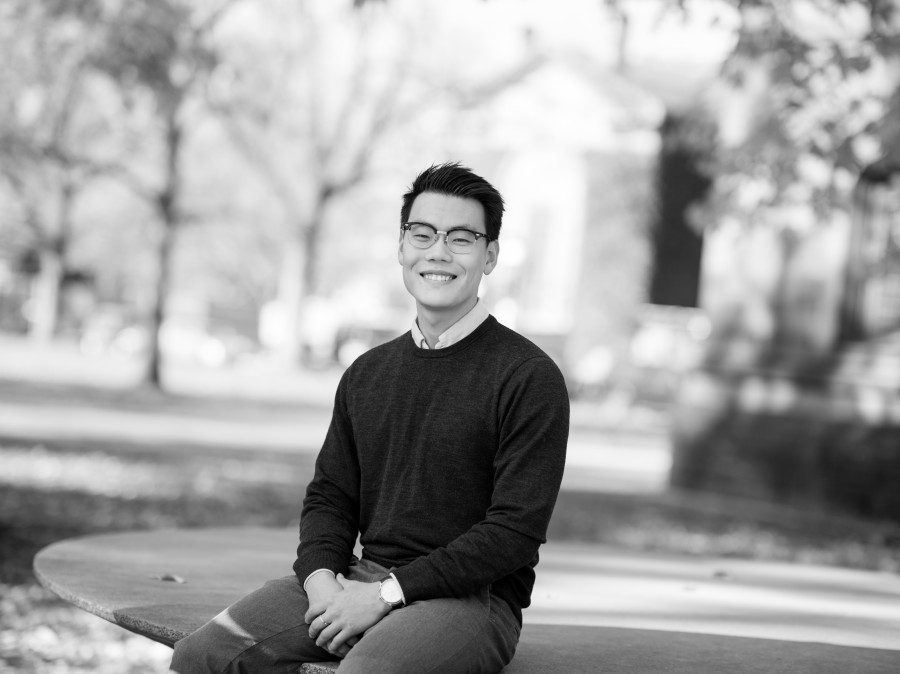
point(599, 585)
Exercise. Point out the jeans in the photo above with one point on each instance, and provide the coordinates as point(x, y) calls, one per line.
point(265, 633)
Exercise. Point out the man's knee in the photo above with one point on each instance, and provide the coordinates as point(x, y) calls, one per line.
point(195, 654)
point(209, 650)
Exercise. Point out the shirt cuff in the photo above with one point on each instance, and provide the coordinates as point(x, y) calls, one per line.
point(402, 596)
point(314, 573)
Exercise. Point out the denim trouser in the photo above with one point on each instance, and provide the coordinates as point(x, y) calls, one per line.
point(265, 633)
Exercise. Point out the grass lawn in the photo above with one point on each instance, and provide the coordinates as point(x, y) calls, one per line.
point(120, 475)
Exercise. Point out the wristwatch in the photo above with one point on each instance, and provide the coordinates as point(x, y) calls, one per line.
point(390, 592)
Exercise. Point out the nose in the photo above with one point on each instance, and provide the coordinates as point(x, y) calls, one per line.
point(439, 249)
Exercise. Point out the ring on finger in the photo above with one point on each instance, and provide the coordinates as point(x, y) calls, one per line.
point(324, 622)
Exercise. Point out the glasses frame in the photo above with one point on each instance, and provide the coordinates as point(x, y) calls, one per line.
point(407, 226)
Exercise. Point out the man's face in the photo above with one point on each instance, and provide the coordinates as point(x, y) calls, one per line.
point(443, 283)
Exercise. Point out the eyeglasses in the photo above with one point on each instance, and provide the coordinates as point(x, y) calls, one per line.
point(458, 240)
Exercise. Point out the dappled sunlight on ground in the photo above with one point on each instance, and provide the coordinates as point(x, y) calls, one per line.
point(107, 475)
point(94, 473)
point(39, 634)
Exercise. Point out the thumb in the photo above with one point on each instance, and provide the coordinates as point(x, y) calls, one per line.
point(342, 580)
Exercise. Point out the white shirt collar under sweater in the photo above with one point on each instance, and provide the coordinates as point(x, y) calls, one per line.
point(464, 327)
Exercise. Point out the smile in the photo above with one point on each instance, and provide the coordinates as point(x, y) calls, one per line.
point(442, 278)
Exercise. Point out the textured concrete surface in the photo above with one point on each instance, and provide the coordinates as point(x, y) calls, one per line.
point(596, 609)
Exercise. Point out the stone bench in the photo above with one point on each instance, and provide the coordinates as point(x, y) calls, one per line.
point(165, 584)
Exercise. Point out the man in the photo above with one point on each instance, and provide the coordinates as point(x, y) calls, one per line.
point(444, 454)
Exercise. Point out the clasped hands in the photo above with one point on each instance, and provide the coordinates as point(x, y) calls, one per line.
point(341, 610)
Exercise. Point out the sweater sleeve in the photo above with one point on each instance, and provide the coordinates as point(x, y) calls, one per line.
point(533, 419)
point(329, 520)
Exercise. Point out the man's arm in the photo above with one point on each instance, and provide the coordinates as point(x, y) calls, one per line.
point(339, 610)
point(329, 520)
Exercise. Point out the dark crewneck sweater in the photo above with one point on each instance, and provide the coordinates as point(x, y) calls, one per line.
point(447, 462)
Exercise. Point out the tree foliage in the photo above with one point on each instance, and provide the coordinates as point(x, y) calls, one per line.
point(806, 102)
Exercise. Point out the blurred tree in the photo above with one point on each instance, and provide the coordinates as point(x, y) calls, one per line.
point(808, 99)
point(310, 94)
point(806, 104)
point(306, 97)
point(49, 130)
point(159, 52)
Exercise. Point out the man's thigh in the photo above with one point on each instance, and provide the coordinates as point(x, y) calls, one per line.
point(263, 632)
point(476, 635)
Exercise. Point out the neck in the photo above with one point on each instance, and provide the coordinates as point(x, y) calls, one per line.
point(434, 324)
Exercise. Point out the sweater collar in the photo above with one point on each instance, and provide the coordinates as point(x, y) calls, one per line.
point(464, 327)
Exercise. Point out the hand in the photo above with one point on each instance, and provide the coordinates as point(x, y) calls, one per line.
point(337, 621)
point(316, 631)
point(319, 590)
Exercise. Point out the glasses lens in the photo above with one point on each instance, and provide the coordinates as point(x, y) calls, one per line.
point(421, 236)
point(461, 240)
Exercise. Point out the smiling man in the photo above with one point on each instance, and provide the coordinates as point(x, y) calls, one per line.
point(443, 271)
point(444, 456)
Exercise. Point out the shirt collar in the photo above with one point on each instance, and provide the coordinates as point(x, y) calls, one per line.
point(464, 327)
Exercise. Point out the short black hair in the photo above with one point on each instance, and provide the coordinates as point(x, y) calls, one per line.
point(456, 180)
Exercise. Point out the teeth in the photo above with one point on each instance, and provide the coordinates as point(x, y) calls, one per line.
point(438, 277)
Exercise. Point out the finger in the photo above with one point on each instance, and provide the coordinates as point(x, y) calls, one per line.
point(343, 639)
point(342, 580)
point(344, 648)
point(313, 612)
point(317, 626)
point(326, 636)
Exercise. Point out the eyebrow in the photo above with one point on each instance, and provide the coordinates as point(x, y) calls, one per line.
point(466, 227)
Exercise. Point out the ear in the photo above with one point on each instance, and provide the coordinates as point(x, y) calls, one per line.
point(493, 252)
point(400, 252)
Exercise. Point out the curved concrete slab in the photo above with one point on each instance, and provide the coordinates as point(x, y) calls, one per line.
point(596, 609)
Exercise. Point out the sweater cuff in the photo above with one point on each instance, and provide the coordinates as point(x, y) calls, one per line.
point(411, 586)
point(402, 593)
point(310, 562)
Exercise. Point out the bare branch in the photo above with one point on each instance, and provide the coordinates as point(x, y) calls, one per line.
point(254, 151)
point(476, 96)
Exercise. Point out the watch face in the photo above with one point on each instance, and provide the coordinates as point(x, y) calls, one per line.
point(390, 591)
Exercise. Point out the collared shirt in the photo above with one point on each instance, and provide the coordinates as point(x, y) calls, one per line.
point(464, 327)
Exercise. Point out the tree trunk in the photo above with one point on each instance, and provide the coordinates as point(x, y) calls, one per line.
point(299, 280)
point(167, 204)
point(158, 314)
point(291, 292)
point(45, 295)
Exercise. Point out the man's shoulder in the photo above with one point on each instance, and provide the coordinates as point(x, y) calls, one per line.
point(515, 345)
point(511, 351)
point(379, 353)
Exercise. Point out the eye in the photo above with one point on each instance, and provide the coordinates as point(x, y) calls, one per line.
point(421, 233)
point(462, 237)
